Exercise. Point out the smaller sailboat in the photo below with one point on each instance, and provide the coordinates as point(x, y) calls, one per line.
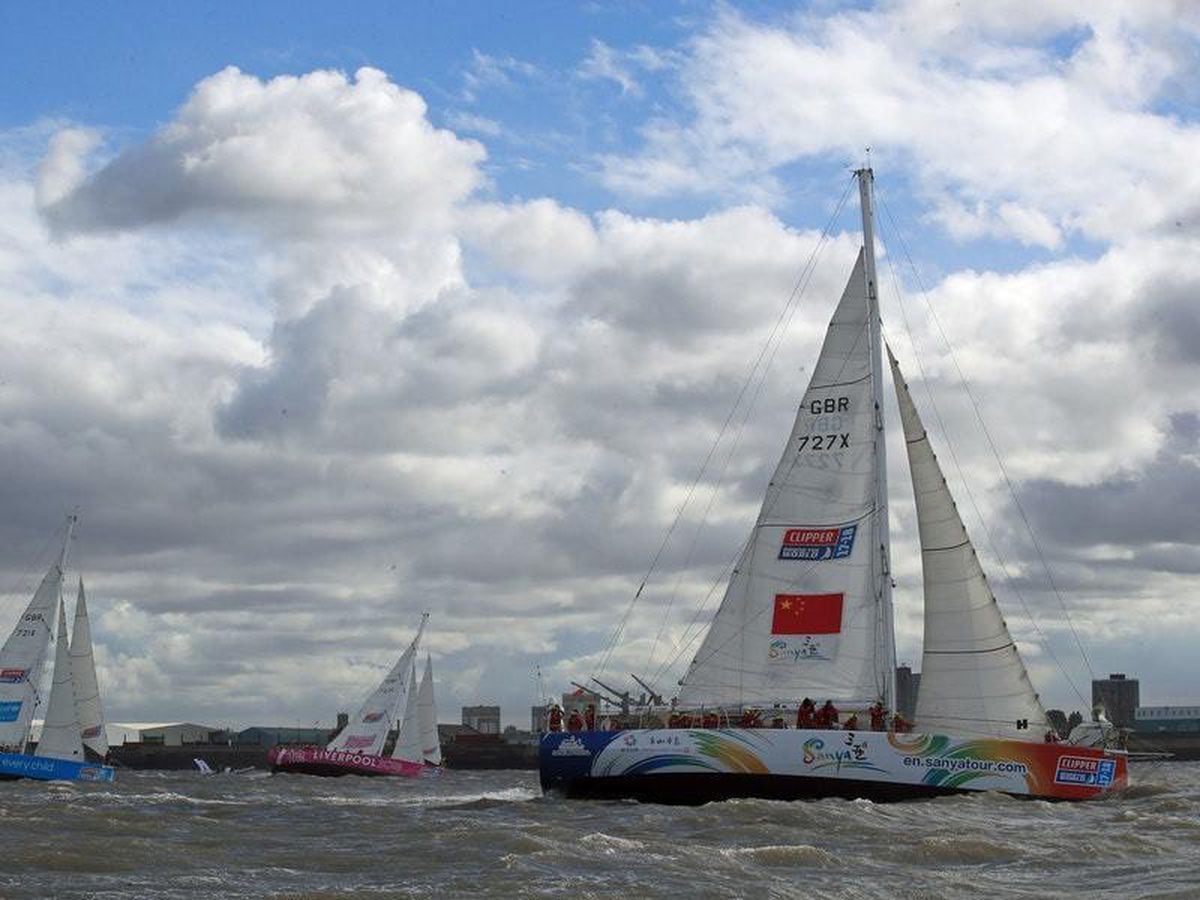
point(60, 754)
point(359, 748)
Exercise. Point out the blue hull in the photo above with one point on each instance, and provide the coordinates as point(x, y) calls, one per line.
point(21, 765)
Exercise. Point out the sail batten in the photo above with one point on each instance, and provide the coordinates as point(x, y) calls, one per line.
point(971, 669)
point(367, 731)
point(23, 656)
point(408, 739)
point(805, 612)
point(60, 738)
point(88, 707)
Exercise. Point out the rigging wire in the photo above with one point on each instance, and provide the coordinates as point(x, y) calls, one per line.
point(758, 370)
point(999, 461)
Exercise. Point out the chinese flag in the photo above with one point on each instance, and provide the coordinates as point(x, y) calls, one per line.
point(807, 614)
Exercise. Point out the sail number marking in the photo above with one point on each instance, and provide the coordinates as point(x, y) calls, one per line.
point(824, 442)
point(829, 405)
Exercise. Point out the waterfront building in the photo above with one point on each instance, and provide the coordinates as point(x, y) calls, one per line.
point(1119, 696)
point(484, 719)
point(1167, 720)
point(908, 683)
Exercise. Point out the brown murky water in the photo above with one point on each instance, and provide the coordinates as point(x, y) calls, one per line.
point(469, 834)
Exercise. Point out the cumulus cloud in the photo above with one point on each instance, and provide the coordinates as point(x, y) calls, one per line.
point(308, 372)
point(973, 101)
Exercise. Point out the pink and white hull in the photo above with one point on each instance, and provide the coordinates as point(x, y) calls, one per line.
point(333, 763)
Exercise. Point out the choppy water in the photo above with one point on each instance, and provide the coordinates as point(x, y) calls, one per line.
point(470, 834)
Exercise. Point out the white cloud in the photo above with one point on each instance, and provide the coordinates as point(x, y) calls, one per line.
point(307, 381)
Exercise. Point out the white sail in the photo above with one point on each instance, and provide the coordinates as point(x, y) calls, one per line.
point(805, 612)
point(408, 740)
point(431, 745)
point(88, 708)
point(23, 657)
point(972, 677)
point(60, 729)
point(367, 731)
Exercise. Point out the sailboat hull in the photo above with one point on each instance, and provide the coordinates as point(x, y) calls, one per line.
point(45, 768)
point(335, 763)
point(692, 766)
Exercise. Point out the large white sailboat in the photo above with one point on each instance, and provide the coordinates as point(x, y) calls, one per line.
point(808, 613)
point(72, 712)
point(398, 702)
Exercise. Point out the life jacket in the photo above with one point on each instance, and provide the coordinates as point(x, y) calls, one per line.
point(712, 720)
point(804, 717)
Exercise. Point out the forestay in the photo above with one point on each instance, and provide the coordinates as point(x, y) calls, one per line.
point(60, 729)
point(972, 677)
point(367, 731)
point(88, 708)
point(803, 614)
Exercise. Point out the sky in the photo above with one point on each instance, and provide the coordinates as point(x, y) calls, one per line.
point(323, 320)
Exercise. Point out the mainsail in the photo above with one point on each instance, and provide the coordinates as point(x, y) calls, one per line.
point(23, 656)
point(60, 730)
point(408, 739)
point(807, 610)
point(431, 745)
point(367, 732)
point(87, 689)
point(972, 677)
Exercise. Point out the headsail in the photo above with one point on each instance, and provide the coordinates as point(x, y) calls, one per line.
point(972, 677)
point(431, 745)
point(803, 614)
point(87, 689)
point(408, 739)
point(23, 656)
point(60, 730)
point(367, 732)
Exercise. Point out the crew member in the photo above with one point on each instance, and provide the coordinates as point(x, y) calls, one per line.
point(878, 716)
point(589, 717)
point(851, 723)
point(900, 724)
point(711, 720)
point(554, 719)
point(574, 721)
point(805, 715)
point(751, 718)
point(827, 715)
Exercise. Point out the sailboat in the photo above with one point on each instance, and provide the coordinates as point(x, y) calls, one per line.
point(358, 749)
point(807, 613)
point(72, 712)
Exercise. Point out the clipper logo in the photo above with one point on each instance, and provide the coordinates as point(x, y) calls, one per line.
point(92, 732)
point(816, 544)
point(358, 741)
point(571, 746)
point(12, 676)
point(1085, 770)
point(373, 716)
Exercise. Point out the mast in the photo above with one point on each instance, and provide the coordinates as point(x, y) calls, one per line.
point(885, 645)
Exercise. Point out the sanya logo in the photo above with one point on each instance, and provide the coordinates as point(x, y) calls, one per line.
point(816, 755)
point(571, 746)
point(806, 647)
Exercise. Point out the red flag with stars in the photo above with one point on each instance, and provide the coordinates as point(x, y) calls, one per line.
point(807, 614)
